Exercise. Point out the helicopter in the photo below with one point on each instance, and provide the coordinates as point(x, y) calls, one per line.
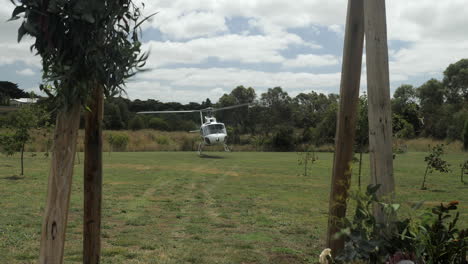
point(211, 131)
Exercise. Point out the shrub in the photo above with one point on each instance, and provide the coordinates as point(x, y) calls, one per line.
point(162, 140)
point(435, 162)
point(283, 139)
point(189, 144)
point(431, 238)
point(136, 123)
point(158, 124)
point(117, 141)
point(465, 136)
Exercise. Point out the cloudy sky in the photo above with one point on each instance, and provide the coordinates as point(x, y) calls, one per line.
point(204, 48)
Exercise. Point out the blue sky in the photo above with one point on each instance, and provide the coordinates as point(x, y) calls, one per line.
point(205, 48)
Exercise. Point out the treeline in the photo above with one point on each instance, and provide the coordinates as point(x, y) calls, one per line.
point(437, 109)
point(277, 121)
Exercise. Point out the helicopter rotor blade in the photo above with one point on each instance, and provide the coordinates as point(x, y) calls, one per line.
point(168, 112)
point(225, 108)
point(211, 109)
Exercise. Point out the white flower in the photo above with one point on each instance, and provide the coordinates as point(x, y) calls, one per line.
point(323, 256)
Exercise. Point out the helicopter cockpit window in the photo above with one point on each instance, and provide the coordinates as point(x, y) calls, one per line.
point(216, 129)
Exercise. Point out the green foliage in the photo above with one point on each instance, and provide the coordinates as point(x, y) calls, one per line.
point(19, 129)
point(464, 170)
point(435, 162)
point(306, 159)
point(465, 136)
point(83, 44)
point(402, 128)
point(158, 124)
point(9, 90)
point(362, 131)
point(456, 81)
point(112, 117)
point(189, 144)
point(283, 139)
point(136, 123)
point(431, 238)
point(439, 240)
point(117, 141)
point(366, 239)
point(8, 144)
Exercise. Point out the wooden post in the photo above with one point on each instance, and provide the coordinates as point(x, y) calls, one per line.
point(59, 186)
point(346, 125)
point(378, 89)
point(93, 179)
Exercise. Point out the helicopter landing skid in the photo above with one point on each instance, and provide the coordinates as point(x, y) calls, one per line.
point(200, 148)
point(226, 148)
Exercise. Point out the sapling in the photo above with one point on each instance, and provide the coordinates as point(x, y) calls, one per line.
point(435, 162)
point(306, 159)
point(464, 170)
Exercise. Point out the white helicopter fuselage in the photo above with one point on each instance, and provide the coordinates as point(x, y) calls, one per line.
point(213, 133)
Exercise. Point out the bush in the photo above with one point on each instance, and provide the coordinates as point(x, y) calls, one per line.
point(158, 124)
point(136, 123)
point(189, 144)
point(118, 141)
point(283, 139)
point(465, 136)
point(433, 238)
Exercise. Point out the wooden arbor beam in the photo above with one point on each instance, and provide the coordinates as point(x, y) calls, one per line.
point(59, 186)
point(93, 179)
point(378, 90)
point(347, 116)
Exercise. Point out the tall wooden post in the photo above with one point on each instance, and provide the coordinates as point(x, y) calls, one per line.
point(93, 179)
point(378, 90)
point(347, 116)
point(59, 186)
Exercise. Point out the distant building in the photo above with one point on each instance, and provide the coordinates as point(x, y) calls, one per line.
point(22, 101)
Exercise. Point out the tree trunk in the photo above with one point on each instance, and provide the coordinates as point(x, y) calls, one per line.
point(462, 172)
point(346, 124)
point(424, 179)
point(380, 116)
point(360, 169)
point(93, 179)
point(22, 159)
point(59, 186)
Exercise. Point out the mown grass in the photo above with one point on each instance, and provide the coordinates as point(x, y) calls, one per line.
point(175, 207)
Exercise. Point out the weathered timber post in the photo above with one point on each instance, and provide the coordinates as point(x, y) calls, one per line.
point(346, 124)
point(59, 186)
point(378, 89)
point(93, 179)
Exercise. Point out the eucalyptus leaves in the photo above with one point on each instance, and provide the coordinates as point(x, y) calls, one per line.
point(83, 44)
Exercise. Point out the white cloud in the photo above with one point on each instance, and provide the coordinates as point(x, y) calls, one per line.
point(165, 93)
point(311, 60)
point(10, 50)
point(25, 72)
point(194, 24)
point(232, 47)
point(202, 81)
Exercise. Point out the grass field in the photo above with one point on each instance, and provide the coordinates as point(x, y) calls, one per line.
point(174, 207)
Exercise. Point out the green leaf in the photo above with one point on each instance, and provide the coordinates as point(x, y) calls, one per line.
point(18, 10)
point(21, 32)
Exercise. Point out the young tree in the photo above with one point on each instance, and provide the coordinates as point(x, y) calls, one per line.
point(362, 132)
point(21, 126)
point(465, 136)
point(464, 170)
point(88, 48)
point(435, 162)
